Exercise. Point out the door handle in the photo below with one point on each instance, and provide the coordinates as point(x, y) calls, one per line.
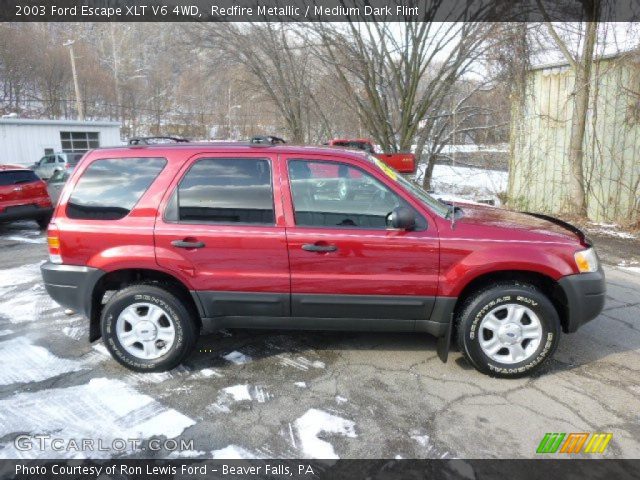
point(185, 244)
point(314, 247)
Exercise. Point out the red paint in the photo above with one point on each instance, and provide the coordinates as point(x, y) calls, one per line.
point(27, 193)
point(401, 162)
point(440, 260)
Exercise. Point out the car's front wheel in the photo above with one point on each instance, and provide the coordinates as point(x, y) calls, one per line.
point(146, 328)
point(508, 330)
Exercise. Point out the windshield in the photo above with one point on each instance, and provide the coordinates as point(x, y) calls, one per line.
point(431, 203)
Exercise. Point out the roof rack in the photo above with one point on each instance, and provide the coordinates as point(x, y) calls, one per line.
point(156, 140)
point(267, 139)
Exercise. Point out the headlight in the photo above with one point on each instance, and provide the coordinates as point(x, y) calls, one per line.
point(586, 260)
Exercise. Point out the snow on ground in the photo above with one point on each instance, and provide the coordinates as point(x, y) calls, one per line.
point(316, 422)
point(233, 452)
point(23, 362)
point(103, 409)
point(611, 230)
point(466, 182)
point(299, 362)
point(238, 393)
point(11, 277)
point(236, 357)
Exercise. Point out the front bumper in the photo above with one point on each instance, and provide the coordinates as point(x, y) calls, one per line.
point(71, 285)
point(585, 294)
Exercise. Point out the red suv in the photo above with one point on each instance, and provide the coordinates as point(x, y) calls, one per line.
point(152, 242)
point(23, 196)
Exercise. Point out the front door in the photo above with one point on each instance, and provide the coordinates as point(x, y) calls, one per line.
point(345, 262)
point(222, 232)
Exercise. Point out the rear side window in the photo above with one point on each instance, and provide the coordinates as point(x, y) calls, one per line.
point(15, 177)
point(110, 188)
point(225, 190)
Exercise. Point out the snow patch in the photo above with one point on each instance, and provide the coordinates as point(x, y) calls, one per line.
point(236, 357)
point(238, 393)
point(340, 399)
point(474, 183)
point(27, 305)
point(11, 277)
point(299, 362)
point(301, 384)
point(315, 422)
point(23, 362)
point(207, 373)
point(5, 332)
point(103, 409)
point(611, 230)
point(186, 454)
point(21, 239)
point(233, 452)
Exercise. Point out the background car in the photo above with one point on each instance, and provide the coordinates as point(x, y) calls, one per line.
point(56, 182)
point(23, 196)
point(49, 164)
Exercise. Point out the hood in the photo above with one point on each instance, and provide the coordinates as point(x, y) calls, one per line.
point(522, 222)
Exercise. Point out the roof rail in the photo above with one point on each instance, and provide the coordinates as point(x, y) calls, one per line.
point(156, 140)
point(267, 139)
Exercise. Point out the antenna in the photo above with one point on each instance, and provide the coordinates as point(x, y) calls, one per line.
point(453, 158)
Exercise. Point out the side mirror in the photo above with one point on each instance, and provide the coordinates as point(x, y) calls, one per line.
point(402, 218)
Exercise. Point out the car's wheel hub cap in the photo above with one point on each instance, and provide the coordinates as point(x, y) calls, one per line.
point(510, 333)
point(145, 331)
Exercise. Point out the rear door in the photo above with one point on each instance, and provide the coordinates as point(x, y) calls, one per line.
point(347, 266)
point(221, 228)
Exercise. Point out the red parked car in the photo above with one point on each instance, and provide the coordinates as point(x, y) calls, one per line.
point(23, 196)
point(402, 162)
point(152, 242)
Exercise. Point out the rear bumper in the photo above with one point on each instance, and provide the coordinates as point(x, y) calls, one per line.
point(585, 293)
point(25, 212)
point(71, 285)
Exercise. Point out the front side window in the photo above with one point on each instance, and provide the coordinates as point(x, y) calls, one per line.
point(225, 190)
point(331, 194)
point(108, 189)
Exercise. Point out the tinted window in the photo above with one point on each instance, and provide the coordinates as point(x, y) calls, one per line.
point(225, 190)
point(14, 177)
point(330, 194)
point(109, 189)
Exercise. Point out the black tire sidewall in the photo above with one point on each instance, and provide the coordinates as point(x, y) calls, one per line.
point(484, 303)
point(178, 314)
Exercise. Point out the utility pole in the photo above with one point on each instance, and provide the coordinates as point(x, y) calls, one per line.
point(69, 43)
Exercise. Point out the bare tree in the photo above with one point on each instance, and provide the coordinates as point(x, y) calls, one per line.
point(398, 77)
point(276, 57)
point(581, 64)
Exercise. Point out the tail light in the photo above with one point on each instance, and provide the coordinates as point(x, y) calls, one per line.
point(53, 241)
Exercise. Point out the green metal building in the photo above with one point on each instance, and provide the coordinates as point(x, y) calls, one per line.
point(541, 126)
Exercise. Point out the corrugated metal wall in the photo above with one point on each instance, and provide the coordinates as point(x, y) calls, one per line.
point(539, 165)
point(24, 144)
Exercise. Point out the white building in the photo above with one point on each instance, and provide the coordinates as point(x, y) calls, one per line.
point(24, 141)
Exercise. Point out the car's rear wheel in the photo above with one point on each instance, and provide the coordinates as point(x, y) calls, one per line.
point(508, 330)
point(146, 328)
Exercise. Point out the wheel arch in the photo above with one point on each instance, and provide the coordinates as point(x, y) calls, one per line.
point(547, 285)
point(117, 279)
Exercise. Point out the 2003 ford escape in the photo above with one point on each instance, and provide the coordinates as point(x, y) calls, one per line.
point(150, 242)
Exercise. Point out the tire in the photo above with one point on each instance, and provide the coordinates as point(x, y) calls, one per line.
point(143, 302)
point(493, 322)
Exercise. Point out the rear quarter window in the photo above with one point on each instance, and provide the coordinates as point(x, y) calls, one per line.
point(109, 188)
point(14, 177)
